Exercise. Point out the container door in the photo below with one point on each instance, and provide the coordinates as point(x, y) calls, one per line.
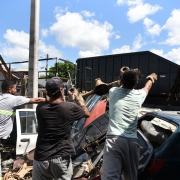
point(26, 123)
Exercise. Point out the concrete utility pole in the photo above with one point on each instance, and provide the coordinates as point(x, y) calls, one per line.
point(47, 65)
point(33, 51)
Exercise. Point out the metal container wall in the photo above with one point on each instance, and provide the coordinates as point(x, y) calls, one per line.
point(107, 68)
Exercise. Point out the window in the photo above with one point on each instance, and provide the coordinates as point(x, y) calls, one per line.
point(28, 122)
point(164, 124)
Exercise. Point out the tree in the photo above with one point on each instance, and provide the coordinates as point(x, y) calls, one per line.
point(63, 67)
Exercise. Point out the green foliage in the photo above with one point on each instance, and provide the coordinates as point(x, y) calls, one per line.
point(63, 67)
point(43, 76)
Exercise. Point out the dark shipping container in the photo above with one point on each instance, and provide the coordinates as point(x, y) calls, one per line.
point(107, 68)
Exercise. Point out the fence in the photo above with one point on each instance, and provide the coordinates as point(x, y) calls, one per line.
point(7, 71)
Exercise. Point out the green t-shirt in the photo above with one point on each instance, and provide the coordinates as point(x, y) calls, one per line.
point(124, 106)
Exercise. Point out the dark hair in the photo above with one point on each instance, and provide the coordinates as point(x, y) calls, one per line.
point(138, 73)
point(6, 84)
point(54, 93)
point(130, 78)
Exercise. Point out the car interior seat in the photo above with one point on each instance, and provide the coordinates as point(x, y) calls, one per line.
point(152, 133)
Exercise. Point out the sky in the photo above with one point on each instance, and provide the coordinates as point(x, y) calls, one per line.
point(72, 29)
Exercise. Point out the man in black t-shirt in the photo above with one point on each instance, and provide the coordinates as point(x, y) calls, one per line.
point(54, 147)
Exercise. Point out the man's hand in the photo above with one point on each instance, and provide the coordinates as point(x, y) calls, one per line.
point(123, 69)
point(114, 84)
point(77, 97)
point(79, 101)
point(71, 96)
point(152, 77)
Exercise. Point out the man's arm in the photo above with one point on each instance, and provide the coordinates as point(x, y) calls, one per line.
point(78, 99)
point(87, 113)
point(147, 86)
point(37, 100)
point(150, 80)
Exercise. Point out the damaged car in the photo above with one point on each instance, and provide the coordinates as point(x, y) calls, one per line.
point(158, 135)
point(159, 141)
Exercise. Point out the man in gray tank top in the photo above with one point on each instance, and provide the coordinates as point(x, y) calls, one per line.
point(121, 151)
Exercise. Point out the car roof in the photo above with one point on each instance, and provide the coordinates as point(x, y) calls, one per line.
point(169, 115)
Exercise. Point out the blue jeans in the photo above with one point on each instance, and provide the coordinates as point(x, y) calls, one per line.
point(56, 169)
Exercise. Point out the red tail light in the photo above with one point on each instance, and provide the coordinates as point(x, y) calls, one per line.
point(155, 165)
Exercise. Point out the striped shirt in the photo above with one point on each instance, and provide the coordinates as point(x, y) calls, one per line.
point(8, 103)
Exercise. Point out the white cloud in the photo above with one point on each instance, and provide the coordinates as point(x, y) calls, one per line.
point(141, 11)
point(138, 9)
point(173, 55)
point(17, 46)
point(137, 44)
point(49, 49)
point(83, 54)
point(158, 52)
point(16, 53)
point(123, 49)
point(148, 22)
point(117, 36)
point(87, 13)
point(120, 2)
point(60, 10)
point(17, 38)
point(44, 32)
point(152, 28)
point(73, 30)
point(173, 26)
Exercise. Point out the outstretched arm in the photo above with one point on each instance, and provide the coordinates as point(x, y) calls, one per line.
point(150, 80)
point(147, 86)
point(37, 100)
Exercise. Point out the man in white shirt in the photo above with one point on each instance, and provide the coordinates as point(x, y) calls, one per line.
point(8, 103)
point(121, 151)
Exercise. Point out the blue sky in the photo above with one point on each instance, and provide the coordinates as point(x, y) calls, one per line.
point(85, 28)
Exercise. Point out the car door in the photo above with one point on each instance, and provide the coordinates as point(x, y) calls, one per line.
point(26, 123)
point(146, 151)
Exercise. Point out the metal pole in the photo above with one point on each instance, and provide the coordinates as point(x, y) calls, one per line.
point(47, 65)
point(33, 51)
point(75, 71)
point(9, 74)
point(56, 67)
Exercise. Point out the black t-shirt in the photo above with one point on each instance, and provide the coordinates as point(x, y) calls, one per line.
point(54, 129)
